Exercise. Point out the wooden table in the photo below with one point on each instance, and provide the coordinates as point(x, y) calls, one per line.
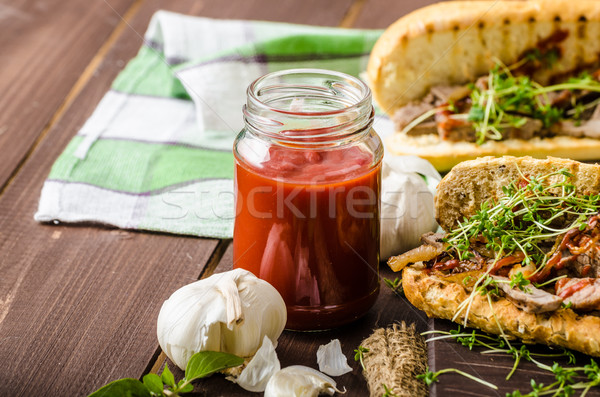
point(78, 304)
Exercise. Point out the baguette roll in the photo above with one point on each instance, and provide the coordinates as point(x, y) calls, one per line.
point(439, 291)
point(439, 298)
point(455, 42)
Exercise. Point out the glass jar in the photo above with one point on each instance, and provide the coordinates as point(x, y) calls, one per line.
point(307, 187)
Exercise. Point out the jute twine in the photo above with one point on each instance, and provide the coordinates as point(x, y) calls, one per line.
point(396, 356)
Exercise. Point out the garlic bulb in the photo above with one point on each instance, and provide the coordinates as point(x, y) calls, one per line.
point(260, 369)
point(229, 312)
point(407, 209)
point(331, 360)
point(300, 381)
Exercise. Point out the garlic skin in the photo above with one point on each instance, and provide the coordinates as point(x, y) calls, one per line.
point(300, 381)
point(260, 369)
point(228, 312)
point(331, 360)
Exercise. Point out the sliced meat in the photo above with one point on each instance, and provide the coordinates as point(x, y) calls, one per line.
point(532, 300)
point(429, 127)
point(581, 293)
point(596, 113)
point(588, 263)
point(451, 129)
point(586, 129)
point(531, 128)
point(435, 239)
point(406, 114)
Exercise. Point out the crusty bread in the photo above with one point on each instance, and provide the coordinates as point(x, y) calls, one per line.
point(471, 183)
point(455, 42)
point(444, 155)
point(439, 298)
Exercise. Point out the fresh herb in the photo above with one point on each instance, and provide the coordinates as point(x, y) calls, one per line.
point(503, 100)
point(430, 377)
point(199, 366)
point(519, 281)
point(395, 285)
point(359, 355)
point(567, 379)
point(497, 345)
point(523, 220)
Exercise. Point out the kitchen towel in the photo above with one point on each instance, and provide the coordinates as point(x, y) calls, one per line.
point(156, 153)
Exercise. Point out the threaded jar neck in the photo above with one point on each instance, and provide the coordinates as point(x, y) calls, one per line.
point(308, 107)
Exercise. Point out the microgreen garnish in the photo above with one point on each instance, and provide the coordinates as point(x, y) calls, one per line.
point(568, 379)
point(524, 219)
point(359, 355)
point(199, 366)
point(430, 377)
point(504, 100)
point(519, 281)
point(395, 285)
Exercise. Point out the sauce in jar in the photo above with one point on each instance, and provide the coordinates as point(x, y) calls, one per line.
point(307, 207)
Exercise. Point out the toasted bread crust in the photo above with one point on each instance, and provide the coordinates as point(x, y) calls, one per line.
point(440, 299)
point(457, 41)
point(471, 183)
point(445, 155)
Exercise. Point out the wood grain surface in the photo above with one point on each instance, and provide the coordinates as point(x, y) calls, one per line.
point(46, 46)
point(300, 348)
point(78, 304)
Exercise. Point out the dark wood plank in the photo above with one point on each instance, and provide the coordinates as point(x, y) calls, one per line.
point(492, 368)
point(78, 304)
point(300, 348)
point(46, 45)
point(379, 14)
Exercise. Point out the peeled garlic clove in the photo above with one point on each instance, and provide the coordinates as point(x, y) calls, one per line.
point(228, 312)
point(300, 381)
point(331, 360)
point(260, 369)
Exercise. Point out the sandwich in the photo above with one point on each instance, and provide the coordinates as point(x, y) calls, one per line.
point(520, 255)
point(464, 79)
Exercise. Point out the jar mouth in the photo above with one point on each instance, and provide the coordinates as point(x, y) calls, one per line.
point(346, 90)
point(308, 104)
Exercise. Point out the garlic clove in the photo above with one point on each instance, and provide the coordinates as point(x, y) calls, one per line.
point(260, 369)
point(300, 381)
point(331, 360)
point(229, 312)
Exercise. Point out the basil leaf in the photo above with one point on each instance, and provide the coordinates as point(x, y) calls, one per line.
point(153, 383)
point(206, 363)
point(187, 388)
point(167, 376)
point(126, 387)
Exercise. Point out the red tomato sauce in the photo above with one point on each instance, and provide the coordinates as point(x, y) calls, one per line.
point(308, 223)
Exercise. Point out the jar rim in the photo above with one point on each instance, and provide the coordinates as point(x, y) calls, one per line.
point(364, 93)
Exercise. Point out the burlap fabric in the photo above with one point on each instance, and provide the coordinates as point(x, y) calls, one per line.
point(396, 356)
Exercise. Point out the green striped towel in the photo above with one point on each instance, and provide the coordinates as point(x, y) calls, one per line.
point(156, 152)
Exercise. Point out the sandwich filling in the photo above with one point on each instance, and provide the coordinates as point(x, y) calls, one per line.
point(538, 246)
point(507, 104)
